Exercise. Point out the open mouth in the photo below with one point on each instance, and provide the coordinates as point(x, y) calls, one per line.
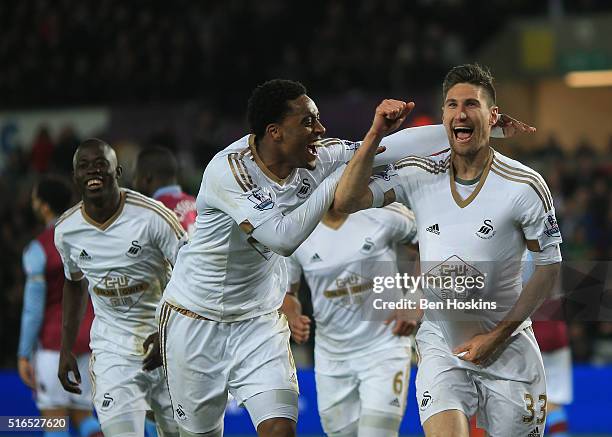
point(463, 134)
point(94, 184)
point(312, 149)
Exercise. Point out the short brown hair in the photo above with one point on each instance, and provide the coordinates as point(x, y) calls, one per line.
point(474, 74)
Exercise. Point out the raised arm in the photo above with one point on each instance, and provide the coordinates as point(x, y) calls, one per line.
point(353, 193)
point(428, 140)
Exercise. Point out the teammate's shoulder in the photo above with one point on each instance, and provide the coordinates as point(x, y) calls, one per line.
point(433, 164)
point(526, 180)
point(148, 208)
point(139, 200)
point(68, 216)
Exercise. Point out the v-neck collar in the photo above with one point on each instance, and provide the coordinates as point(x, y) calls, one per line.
point(462, 203)
point(104, 226)
point(263, 166)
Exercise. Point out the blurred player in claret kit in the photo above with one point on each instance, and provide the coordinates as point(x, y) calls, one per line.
point(362, 366)
point(123, 243)
point(474, 207)
point(156, 175)
point(41, 320)
point(259, 200)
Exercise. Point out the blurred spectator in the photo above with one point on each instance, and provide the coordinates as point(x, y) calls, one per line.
point(42, 150)
point(67, 143)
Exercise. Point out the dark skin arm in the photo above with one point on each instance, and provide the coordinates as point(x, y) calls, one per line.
point(299, 324)
point(74, 304)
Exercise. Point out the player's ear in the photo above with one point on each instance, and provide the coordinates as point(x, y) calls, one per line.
point(494, 115)
point(118, 171)
point(275, 131)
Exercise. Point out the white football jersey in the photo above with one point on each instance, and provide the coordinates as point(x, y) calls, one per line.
point(127, 262)
point(224, 274)
point(339, 266)
point(480, 236)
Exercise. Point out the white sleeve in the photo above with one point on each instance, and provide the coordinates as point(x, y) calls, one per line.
point(167, 233)
point(536, 215)
point(284, 233)
point(294, 269)
point(71, 269)
point(401, 181)
point(227, 187)
point(334, 152)
point(415, 141)
point(401, 222)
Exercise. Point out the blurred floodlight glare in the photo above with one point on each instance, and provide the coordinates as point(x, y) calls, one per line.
point(583, 79)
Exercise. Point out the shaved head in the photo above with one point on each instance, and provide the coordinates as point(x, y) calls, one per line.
point(109, 152)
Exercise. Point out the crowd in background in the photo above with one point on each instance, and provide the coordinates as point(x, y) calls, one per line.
point(579, 180)
point(68, 52)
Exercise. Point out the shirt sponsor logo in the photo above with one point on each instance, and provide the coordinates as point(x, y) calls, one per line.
point(305, 189)
point(120, 291)
point(486, 231)
point(262, 201)
point(84, 256)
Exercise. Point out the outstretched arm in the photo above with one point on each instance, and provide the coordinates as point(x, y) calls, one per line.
point(428, 140)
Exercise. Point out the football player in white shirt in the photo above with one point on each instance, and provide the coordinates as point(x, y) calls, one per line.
point(362, 366)
point(123, 244)
point(477, 211)
point(259, 200)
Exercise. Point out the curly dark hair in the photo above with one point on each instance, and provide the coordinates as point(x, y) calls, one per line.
point(474, 74)
point(268, 103)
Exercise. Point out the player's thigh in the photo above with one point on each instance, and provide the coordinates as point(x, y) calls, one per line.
point(383, 381)
point(263, 361)
point(558, 368)
point(262, 357)
point(513, 393)
point(196, 366)
point(337, 395)
point(274, 412)
point(442, 384)
point(50, 395)
point(161, 404)
point(383, 388)
point(120, 385)
point(128, 424)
